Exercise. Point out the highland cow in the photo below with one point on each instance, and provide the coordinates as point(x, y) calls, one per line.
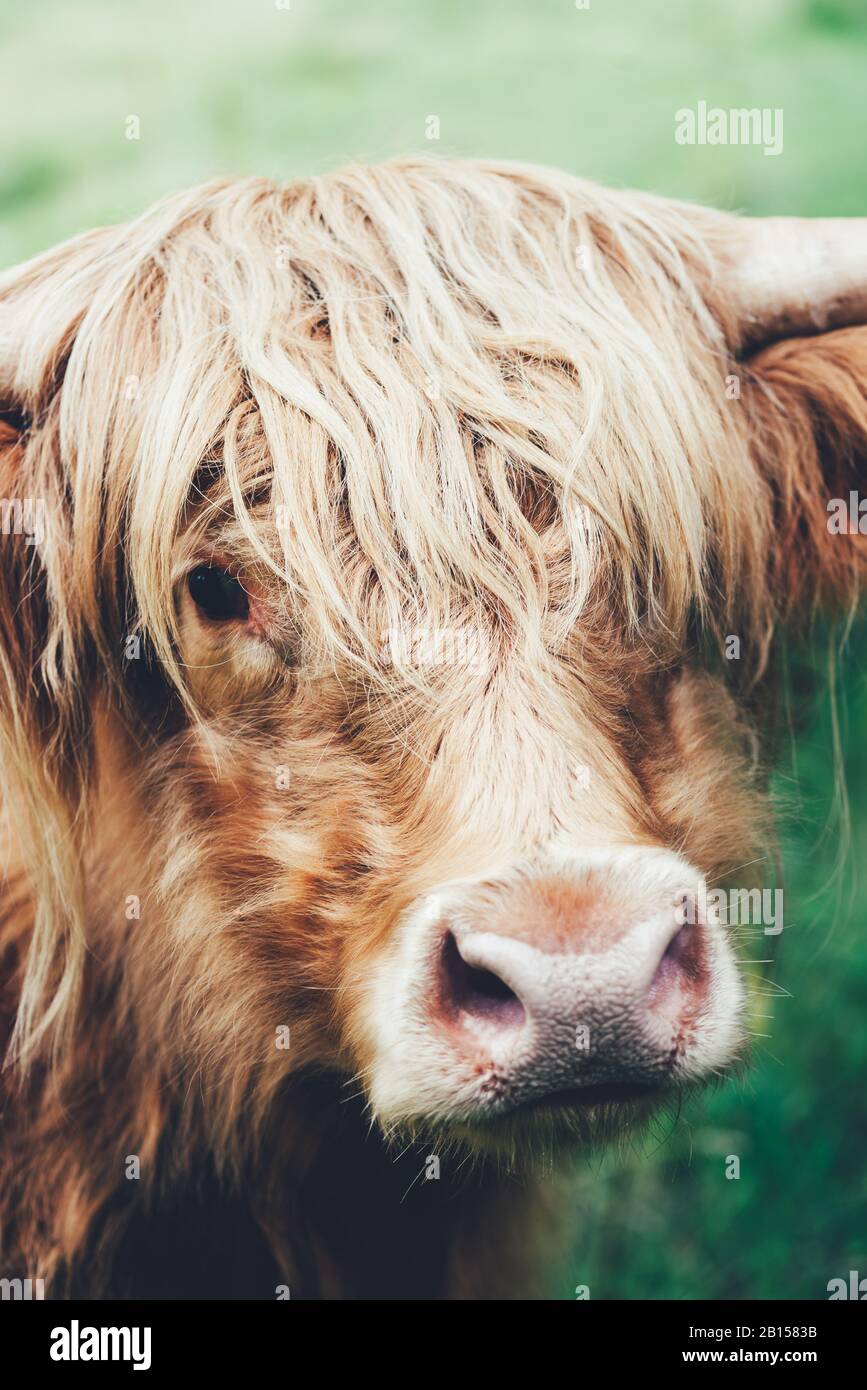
point(370, 707)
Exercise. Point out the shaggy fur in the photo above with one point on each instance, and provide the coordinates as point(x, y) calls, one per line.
point(424, 397)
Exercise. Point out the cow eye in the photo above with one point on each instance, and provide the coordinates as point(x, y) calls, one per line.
point(217, 594)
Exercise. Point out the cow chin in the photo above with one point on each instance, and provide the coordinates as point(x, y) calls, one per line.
point(570, 996)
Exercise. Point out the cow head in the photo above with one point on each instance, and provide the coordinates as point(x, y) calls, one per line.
point(387, 680)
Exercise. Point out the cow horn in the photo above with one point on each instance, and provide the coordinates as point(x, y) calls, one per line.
point(789, 276)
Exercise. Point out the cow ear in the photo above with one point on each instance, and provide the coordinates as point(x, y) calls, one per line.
point(791, 297)
point(806, 404)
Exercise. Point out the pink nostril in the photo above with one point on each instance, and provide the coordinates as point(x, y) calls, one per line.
point(680, 966)
point(475, 993)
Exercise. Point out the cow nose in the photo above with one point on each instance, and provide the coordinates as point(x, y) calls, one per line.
point(558, 1018)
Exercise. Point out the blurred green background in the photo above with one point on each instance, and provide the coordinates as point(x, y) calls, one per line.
point(254, 86)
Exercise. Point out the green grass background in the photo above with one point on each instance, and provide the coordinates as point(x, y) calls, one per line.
point(244, 86)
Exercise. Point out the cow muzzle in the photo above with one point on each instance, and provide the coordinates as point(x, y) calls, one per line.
point(571, 981)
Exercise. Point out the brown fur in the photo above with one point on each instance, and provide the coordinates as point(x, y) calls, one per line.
point(265, 905)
